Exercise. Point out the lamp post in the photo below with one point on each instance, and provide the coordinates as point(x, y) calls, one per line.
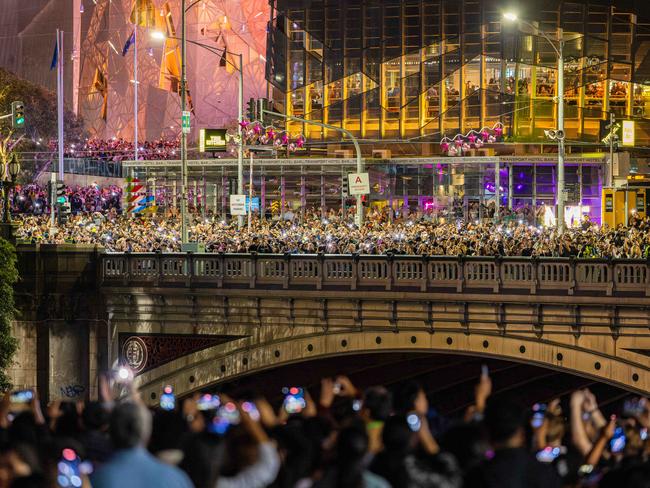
point(9, 174)
point(184, 232)
point(240, 115)
point(558, 134)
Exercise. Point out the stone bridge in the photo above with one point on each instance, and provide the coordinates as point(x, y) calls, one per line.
point(194, 320)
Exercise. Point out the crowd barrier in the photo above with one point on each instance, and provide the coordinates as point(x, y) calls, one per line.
point(359, 272)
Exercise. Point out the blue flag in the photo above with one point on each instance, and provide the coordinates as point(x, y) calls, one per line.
point(55, 56)
point(129, 41)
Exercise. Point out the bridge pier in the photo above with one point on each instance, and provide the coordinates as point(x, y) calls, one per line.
point(60, 327)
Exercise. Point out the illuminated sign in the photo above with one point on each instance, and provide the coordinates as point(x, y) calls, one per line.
point(628, 133)
point(212, 140)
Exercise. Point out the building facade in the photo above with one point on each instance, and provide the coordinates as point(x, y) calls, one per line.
point(422, 69)
point(107, 94)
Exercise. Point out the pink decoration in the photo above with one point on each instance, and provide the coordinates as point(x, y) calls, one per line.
point(472, 139)
point(466, 147)
point(444, 146)
point(285, 138)
point(459, 142)
point(257, 128)
point(244, 123)
point(300, 142)
point(492, 139)
point(271, 133)
point(452, 151)
point(292, 147)
point(498, 131)
point(277, 143)
point(484, 135)
point(478, 143)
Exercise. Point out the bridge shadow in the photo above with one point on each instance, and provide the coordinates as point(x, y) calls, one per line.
point(448, 379)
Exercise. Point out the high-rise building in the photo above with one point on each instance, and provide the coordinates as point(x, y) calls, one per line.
point(403, 69)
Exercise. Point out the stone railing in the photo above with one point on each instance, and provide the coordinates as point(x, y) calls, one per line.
point(366, 272)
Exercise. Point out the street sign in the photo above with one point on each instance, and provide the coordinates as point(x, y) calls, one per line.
point(628, 133)
point(237, 204)
point(186, 122)
point(212, 140)
point(256, 204)
point(359, 184)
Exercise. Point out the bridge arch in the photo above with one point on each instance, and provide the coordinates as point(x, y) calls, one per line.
point(215, 365)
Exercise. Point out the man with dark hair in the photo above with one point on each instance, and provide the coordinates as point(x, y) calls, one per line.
point(132, 466)
point(511, 466)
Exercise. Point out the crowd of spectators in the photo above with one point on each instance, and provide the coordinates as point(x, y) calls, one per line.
point(118, 149)
point(33, 199)
point(342, 437)
point(335, 234)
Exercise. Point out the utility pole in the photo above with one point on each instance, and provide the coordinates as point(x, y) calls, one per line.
point(560, 129)
point(612, 130)
point(184, 230)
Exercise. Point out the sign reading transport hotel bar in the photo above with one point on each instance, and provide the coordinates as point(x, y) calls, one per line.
point(212, 140)
point(237, 204)
point(359, 184)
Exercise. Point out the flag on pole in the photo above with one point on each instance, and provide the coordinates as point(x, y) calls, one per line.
point(130, 41)
point(55, 56)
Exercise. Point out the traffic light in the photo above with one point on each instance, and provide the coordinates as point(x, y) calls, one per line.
point(251, 111)
point(17, 115)
point(60, 193)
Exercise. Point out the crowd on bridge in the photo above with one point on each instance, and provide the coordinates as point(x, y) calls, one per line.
point(335, 234)
point(118, 149)
point(341, 437)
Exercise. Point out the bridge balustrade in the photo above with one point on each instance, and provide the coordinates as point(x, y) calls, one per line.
point(476, 274)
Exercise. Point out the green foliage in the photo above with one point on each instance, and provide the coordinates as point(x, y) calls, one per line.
point(40, 110)
point(8, 277)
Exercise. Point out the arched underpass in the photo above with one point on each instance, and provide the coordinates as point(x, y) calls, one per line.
point(448, 379)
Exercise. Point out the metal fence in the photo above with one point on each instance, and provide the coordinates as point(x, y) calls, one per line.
point(365, 272)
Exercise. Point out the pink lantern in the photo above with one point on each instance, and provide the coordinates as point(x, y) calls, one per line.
point(257, 128)
point(244, 123)
point(271, 133)
point(444, 146)
point(484, 135)
point(284, 138)
point(498, 131)
point(472, 139)
point(300, 142)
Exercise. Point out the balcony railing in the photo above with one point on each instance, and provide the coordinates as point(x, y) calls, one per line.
point(516, 275)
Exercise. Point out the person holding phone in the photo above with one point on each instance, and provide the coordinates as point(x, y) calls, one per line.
point(132, 466)
point(265, 469)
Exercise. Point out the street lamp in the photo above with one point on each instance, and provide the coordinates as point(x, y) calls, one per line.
point(240, 115)
point(559, 133)
point(9, 175)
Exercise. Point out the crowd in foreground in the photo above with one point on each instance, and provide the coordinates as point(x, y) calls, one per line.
point(335, 234)
point(341, 437)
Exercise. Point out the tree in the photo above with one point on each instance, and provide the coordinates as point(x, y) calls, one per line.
point(40, 110)
point(8, 277)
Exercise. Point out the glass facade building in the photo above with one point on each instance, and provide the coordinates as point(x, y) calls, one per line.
point(400, 69)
